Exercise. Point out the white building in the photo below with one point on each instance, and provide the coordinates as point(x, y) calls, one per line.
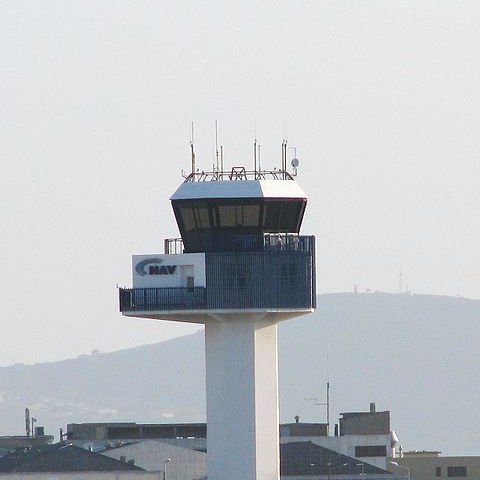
point(366, 436)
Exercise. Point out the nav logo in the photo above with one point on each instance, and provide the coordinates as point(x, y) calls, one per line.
point(154, 267)
point(161, 269)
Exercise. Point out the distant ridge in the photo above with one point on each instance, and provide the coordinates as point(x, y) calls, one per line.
point(416, 355)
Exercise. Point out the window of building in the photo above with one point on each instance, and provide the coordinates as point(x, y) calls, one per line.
point(371, 451)
point(289, 216)
point(456, 471)
point(250, 215)
point(228, 216)
point(190, 284)
point(186, 214)
point(438, 471)
point(271, 216)
point(201, 217)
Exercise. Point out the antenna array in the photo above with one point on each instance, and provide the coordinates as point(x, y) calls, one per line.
point(218, 171)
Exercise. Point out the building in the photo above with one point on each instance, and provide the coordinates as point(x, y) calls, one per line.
point(424, 465)
point(301, 460)
point(240, 267)
point(9, 443)
point(111, 431)
point(366, 436)
point(363, 441)
point(181, 461)
point(60, 458)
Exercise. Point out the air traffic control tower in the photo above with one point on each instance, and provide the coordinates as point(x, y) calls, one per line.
point(240, 267)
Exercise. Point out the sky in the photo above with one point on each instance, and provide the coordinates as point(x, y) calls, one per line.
point(380, 99)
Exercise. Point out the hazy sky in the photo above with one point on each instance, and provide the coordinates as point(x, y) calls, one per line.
point(381, 99)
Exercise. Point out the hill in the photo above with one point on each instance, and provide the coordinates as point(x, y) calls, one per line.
point(415, 355)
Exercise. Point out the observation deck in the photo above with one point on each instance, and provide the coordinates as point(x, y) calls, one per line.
point(258, 272)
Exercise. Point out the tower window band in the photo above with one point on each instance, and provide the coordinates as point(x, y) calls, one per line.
point(205, 223)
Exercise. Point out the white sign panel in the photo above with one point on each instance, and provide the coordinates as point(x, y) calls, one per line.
point(163, 271)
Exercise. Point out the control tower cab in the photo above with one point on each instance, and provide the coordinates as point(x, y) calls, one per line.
point(240, 267)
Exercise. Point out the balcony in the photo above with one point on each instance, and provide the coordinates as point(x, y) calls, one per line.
point(276, 274)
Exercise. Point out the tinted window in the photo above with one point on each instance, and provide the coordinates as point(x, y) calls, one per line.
point(289, 216)
point(371, 451)
point(186, 214)
point(251, 215)
point(271, 216)
point(201, 217)
point(456, 471)
point(205, 224)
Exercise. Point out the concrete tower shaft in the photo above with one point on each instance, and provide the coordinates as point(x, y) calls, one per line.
point(242, 388)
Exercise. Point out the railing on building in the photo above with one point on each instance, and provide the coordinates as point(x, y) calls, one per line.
point(181, 299)
point(251, 243)
point(238, 174)
point(172, 246)
point(172, 298)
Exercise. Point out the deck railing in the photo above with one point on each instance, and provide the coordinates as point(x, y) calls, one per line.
point(148, 299)
point(284, 242)
point(181, 299)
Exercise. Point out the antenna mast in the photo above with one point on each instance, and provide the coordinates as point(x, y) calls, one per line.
point(327, 403)
point(193, 154)
point(221, 162)
point(284, 159)
point(328, 409)
point(27, 422)
point(281, 167)
point(216, 142)
point(259, 159)
point(255, 156)
point(328, 390)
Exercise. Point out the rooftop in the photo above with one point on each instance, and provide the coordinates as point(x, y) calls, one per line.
point(243, 188)
point(60, 457)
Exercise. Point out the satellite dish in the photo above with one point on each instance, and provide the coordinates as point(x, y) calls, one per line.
point(295, 162)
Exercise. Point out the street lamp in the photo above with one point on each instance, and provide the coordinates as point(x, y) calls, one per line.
point(329, 466)
point(401, 466)
point(165, 468)
point(363, 467)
